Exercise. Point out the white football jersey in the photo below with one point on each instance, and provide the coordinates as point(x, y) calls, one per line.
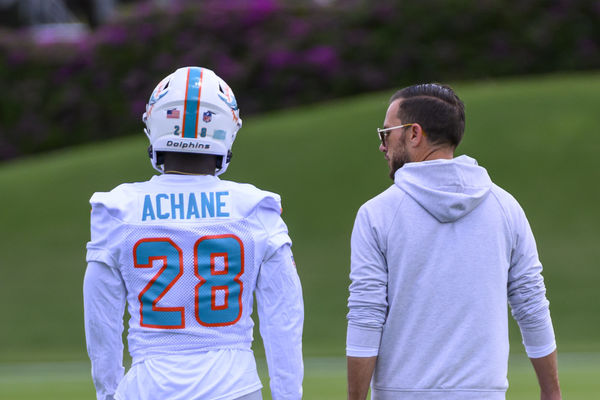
point(189, 250)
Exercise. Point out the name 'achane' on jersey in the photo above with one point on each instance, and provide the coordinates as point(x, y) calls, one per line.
point(185, 206)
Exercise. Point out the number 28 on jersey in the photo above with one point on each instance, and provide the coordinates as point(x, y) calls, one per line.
point(218, 266)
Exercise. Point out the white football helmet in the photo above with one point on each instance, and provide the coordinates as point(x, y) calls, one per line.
point(192, 111)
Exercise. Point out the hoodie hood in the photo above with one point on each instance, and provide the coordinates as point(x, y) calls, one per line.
point(447, 189)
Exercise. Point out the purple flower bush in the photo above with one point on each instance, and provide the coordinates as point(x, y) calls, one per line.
point(276, 54)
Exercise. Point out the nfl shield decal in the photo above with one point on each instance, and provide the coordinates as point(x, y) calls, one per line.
point(207, 116)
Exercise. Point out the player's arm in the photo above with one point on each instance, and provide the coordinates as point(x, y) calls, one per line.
point(104, 304)
point(281, 312)
point(546, 369)
point(367, 305)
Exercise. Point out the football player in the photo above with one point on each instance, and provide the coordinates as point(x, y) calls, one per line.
point(186, 251)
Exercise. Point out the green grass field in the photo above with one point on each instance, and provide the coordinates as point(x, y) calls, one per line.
point(536, 136)
point(324, 379)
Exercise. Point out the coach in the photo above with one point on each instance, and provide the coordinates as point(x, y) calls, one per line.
point(434, 260)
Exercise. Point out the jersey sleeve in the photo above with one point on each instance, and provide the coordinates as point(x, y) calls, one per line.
point(269, 214)
point(281, 312)
point(102, 229)
point(527, 292)
point(104, 304)
point(367, 303)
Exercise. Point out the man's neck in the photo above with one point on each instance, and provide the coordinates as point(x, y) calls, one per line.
point(436, 153)
point(190, 164)
point(175, 172)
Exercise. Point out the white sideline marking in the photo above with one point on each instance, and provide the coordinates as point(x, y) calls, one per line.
point(77, 371)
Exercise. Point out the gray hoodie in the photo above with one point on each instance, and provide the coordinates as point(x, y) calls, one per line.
point(435, 259)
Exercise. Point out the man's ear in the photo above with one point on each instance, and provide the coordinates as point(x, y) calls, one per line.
point(416, 134)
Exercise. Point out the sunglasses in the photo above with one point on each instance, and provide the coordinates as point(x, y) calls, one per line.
point(385, 132)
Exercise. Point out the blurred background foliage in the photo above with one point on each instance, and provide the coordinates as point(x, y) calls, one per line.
point(93, 83)
point(75, 71)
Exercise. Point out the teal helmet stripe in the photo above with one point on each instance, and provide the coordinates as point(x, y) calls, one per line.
point(192, 103)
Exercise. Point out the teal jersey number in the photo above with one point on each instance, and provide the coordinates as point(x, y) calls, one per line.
point(144, 253)
point(219, 281)
point(218, 265)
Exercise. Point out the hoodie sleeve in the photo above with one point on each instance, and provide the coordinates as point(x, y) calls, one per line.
point(527, 292)
point(367, 303)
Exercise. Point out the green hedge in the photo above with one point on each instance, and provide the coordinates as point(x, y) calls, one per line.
point(277, 55)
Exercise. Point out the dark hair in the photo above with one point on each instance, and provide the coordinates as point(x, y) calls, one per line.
point(436, 108)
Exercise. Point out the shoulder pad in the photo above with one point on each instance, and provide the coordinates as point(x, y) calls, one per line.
point(115, 202)
point(255, 198)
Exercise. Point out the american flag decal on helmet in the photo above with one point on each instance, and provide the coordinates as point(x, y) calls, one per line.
point(173, 113)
